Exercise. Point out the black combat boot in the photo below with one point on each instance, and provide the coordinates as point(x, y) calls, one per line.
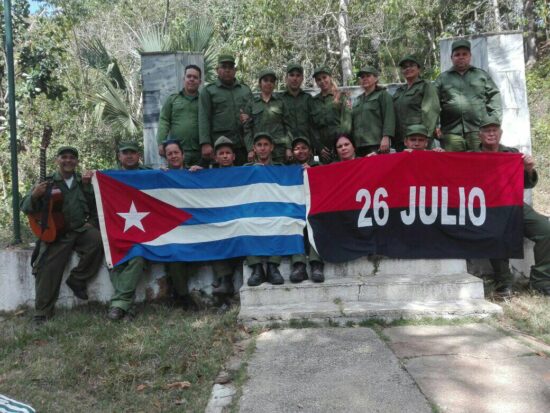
point(225, 287)
point(298, 273)
point(274, 275)
point(258, 275)
point(317, 272)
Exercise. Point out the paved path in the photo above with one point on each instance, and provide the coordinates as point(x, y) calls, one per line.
point(469, 368)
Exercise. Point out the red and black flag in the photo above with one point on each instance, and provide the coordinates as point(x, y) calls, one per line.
point(418, 204)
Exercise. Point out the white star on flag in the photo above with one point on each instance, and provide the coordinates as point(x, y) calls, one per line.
point(133, 218)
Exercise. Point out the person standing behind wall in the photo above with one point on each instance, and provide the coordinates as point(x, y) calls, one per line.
point(220, 106)
point(467, 95)
point(179, 117)
point(330, 114)
point(373, 118)
point(415, 103)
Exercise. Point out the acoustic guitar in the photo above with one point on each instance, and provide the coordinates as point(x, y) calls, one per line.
point(48, 223)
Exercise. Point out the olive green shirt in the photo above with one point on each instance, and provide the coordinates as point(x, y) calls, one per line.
point(373, 117)
point(329, 119)
point(179, 119)
point(529, 180)
point(271, 117)
point(466, 100)
point(299, 109)
point(79, 206)
point(219, 112)
point(417, 105)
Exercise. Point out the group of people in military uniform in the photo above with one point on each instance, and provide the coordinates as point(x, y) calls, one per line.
point(222, 124)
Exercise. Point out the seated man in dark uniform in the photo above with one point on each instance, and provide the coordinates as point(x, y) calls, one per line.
point(535, 226)
point(80, 234)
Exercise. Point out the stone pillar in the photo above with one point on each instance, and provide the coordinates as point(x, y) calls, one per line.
point(501, 55)
point(162, 75)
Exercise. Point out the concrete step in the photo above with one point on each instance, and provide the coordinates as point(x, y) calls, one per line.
point(357, 311)
point(376, 265)
point(378, 288)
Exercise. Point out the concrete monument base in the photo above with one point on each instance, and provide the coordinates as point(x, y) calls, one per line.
point(378, 288)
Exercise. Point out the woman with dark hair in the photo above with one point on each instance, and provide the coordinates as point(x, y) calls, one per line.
point(330, 114)
point(373, 123)
point(344, 147)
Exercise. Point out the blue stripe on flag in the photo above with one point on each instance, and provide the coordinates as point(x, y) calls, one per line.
point(219, 250)
point(260, 209)
point(210, 178)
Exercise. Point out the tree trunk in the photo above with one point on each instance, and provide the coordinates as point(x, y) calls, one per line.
point(345, 53)
point(531, 34)
point(496, 12)
point(165, 20)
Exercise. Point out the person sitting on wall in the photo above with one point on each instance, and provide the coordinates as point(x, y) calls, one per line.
point(80, 234)
point(536, 227)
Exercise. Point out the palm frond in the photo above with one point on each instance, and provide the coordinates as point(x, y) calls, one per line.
point(152, 39)
point(94, 54)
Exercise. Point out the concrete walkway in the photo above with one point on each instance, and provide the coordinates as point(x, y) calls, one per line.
point(468, 368)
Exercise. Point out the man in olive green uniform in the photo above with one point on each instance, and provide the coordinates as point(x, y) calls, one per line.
point(125, 277)
point(415, 103)
point(224, 269)
point(179, 117)
point(373, 117)
point(297, 102)
point(467, 95)
point(267, 112)
point(220, 106)
point(330, 116)
point(80, 234)
point(536, 227)
point(263, 147)
point(303, 155)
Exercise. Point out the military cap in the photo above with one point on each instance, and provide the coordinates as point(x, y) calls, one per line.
point(294, 66)
point(267, 72)
point(417, 130)
point(489, 120)
point(222, 141)
point(409, 58)
point(298, 139)
point(70, 149)
point(322, 69)
point(460, 43)
point(226, 58)
point(367, 69)
point(263, 135)
point(128, 146)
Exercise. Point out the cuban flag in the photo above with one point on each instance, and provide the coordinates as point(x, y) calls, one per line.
point(212, 214)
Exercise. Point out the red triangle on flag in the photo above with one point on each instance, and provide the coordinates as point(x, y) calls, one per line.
point(133, 217)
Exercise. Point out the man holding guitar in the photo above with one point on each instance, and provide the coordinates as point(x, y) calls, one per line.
point(79, 232)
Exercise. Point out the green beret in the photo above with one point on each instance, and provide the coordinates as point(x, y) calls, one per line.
point(226, 58)
point(222, 141)
point(461, 43)
point(128, 146)
point(490, 120)
point(70, 149)
point(267, 72)
point(322, 69)
point(367, 69)
point(417, 130)
point(263, 135)
point(409, 58)
point(299, 139)
point(294, 66)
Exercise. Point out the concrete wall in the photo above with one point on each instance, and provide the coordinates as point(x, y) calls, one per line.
point(162, 75)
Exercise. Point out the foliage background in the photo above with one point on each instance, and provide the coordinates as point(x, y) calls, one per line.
point(78, 63)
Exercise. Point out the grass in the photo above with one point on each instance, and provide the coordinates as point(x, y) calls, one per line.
point(79, 361)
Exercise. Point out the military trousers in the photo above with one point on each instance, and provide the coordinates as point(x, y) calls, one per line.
point(536, 227)
point(179, 273)
point(125, 278)
point(222, 268)
point(52, 261)
point(461, 143)
point(312, 253)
